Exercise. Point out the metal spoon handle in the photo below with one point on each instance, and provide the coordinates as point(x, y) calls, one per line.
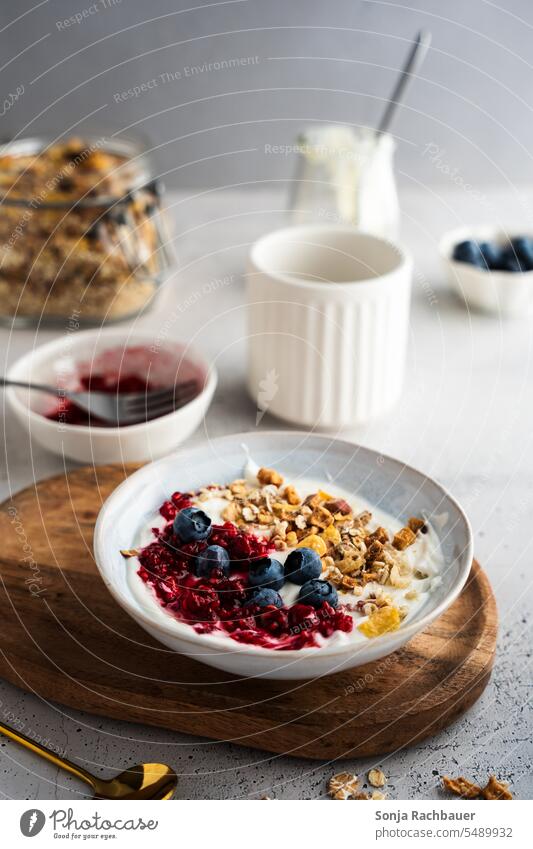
point(37, 749)
point(413, 62)
point(40, 387)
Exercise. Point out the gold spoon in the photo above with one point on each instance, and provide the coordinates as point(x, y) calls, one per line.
point(144, 781)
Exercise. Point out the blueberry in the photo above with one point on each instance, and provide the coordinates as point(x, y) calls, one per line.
point(469, 251)
point(302, 565)
point(492, 255)
point(213, 557)
point(192, 524)
point(266, 597)
point(316, 592)
point(267, 572)
point(510, 261)
point(522, 246)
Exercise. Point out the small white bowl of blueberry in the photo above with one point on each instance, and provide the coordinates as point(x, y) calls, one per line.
point(491, 270)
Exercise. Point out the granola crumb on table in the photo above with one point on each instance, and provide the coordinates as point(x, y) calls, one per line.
point(461, 787)
point(494, 789)
point(344, 785)
point(377, 778)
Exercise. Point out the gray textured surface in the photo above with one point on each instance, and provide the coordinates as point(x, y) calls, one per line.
point(316, 61)
point(465, 418)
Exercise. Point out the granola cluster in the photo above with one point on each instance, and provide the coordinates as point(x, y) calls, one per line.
point(353, 554)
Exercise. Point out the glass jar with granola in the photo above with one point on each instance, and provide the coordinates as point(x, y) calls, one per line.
point(81, 231)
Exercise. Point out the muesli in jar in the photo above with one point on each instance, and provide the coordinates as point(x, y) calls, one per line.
point(81, 231)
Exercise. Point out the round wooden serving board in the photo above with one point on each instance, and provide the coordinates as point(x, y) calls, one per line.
point(64, 638)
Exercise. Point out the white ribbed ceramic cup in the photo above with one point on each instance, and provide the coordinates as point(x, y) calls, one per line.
point(328, 324)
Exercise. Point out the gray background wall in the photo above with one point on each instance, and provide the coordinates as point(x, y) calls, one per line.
point(310, 60)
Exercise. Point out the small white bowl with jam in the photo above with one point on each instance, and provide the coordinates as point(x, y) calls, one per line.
point(113, 361)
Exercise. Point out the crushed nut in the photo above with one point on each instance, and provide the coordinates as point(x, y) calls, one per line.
point(461, 787)
point(332, 574)
point(377, 778)
point(231, 512)
point(396, 579)
point(238, 487)
point(362, 795)
point(403, 539)
point(369, 577)
point(321, 517)
point(269, 476)
point(374, 551)
point(343, 785)
point(338, 506)
point(377, 794)
point(129, 552)
point(496, 789)
point(290, 495)
point(363, 518)
point(380, 534)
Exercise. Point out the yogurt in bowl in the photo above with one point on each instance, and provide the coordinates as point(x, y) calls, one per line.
point(311, 558)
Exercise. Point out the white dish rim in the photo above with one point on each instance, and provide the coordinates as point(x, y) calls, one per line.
point(186, 633)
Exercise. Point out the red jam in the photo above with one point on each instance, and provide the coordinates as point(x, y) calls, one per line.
point(221, 604)
point(124, 370)
point(68, 413)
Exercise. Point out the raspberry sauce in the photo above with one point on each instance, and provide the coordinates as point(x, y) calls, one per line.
point(221, 604)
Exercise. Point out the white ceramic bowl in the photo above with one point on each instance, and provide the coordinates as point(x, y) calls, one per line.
point(387, 483)
point(507, 294)
point(328, 311)
point(57, 363)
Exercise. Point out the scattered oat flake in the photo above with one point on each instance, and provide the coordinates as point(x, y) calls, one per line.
point(377, 778)
point(343, 786)
point(377, 795)
point(462, 787)
point(129, 552)
point(361, 796)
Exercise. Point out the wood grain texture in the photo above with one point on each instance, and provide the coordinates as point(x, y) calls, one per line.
point(63, 637)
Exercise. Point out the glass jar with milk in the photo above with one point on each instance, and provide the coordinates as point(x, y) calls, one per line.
point(345, 175)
